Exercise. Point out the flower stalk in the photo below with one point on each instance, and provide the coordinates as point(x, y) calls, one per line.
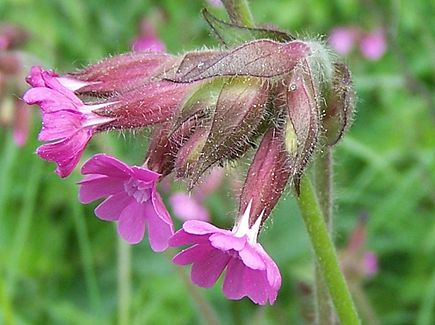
point(323, 183)
point(239, 12)
point(325, 253)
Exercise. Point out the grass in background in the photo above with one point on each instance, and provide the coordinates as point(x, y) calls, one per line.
point(58, 262)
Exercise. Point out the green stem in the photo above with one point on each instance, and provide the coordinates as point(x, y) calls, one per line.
point(323, 183)
point(325, 254)
point(239, 12)
point(24, 222)
point(86, 254)
point(124, 280)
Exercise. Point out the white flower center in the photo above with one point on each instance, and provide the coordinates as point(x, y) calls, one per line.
point(241, 228)
point(139, 190)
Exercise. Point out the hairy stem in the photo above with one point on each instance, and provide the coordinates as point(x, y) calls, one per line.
point(323, 184)
point(239, 12)
point(326, 255)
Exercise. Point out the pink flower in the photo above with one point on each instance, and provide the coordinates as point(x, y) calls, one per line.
point(370, 262)
point(191, 206)
point(187, 207)
point(249, 269)
point(373, 45)
point(342, 39)
point(68, 124)
point(132, 199)
point(148, 39)
point(215, 3)
point(21, 123)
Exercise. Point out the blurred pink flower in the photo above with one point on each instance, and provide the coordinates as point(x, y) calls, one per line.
point(187, 207)
point(215, 3)
point(249, 269)
point(132, 199)
point(373, 45)
point(147, 39)
point(190, 207)
point(370, 262)
point(21, 123)
point(356, 260)
point(342, 39)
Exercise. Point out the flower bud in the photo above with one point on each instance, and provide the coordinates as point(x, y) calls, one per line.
point(304, 116)
point(149, 104)
point(165, 144)
point(267, 176)
point(118, 73)
point(340, 103)
point(190, 152)
point(239, 110)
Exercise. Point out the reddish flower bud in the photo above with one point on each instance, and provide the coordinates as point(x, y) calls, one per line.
point(303, 111)
point(191, 151)
point(340, 104)
point(239, 111)
point(267, 176)
point(200, 103)
point(165, 144)
point(149, 104)
point(122, 72)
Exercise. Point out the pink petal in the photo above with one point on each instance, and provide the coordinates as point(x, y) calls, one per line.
point(159, 207)
point(256, 286)
point(192, 254)
point(251, 258)
point(66, 153)
point(273, 275)
point(131, 225)
point(106, 165)
point(145, 174)
point(50, 100)
point(113, 206)
point(59, 124)
point(181, 238)
point(197, 227)
point(227, 241)
point(206, 272)
point(233, 286)
point(98, 187)
point(159, 230)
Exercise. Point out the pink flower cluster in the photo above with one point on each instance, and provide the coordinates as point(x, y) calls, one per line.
point(206, 108)
point(371, 44)
point(13, 112)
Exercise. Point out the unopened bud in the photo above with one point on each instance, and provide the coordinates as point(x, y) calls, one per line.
point(304, 115)
point(239, 110)
point(267, 176)
point(340, 103)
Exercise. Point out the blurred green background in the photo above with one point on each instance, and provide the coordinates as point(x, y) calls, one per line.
point(60, 265)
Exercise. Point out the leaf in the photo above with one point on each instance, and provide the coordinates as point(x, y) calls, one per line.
point(231, 34)
point(262, 58)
